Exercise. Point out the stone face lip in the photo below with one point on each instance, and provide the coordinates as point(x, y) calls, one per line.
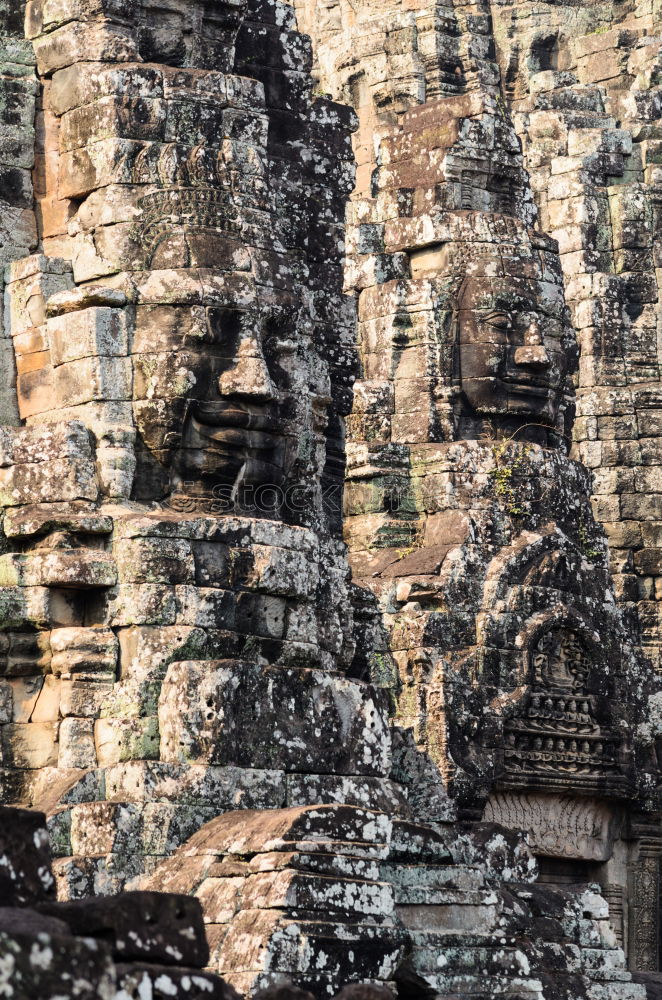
point(86, 297)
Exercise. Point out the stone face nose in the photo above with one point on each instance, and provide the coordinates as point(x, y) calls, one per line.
point(249, 375)
point(532, 356)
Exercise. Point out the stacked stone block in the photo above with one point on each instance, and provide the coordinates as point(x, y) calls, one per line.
point(442, 255)
point(144, 945)
point(181, 218)
point(182, 662)
point(589, 128)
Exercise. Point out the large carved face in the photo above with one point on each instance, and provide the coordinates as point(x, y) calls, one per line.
point(217, 409)
point(512, 358)
point(189, 32)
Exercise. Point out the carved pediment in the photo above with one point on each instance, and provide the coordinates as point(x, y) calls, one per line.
point(561, 731)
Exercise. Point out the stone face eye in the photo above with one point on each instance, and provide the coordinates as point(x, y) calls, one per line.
point(499, 320)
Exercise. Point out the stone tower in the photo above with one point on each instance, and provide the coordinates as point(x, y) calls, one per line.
point(213, 320)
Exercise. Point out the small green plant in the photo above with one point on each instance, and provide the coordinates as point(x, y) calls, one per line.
point(584, 541)
point(506, 488)
point(501, 107)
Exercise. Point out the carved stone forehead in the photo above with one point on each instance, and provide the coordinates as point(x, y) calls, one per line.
point(222, 8)
point(485, 260)
point(512, 293)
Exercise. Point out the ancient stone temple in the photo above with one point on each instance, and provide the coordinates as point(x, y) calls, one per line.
point(329, 465)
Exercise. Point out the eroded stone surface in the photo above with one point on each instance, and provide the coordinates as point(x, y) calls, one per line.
point(190, 684)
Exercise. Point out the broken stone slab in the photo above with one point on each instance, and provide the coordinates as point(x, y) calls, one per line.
point(25, 858)
point(147, 926)
point(139, 981)
point(40, 963)
point(231, 712)
point(345, 830)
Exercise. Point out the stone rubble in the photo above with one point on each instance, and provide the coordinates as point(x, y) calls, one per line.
point(139, 945)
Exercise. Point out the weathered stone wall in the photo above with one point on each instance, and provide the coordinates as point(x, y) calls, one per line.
point(476, 145)
point(18, 234)
point(172, 499)
point(192, 688)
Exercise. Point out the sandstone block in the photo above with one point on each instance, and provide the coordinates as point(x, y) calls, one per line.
point(142, 604)
point(23, 695)
point(30, 746)
point(21, 606)
point(83, 697)
point(299, 890)
point(89, 333)
point(77, 42)
point(119, 740)
point(153, 561)
point(84, 653)
point(108, 161)
point(140, 925)
point(208, 607)
point(122, 117)
point(275, 570)
point(77, 747)
point(206, 716)
point(223, 788)
point(78, 568)
point(104, 827)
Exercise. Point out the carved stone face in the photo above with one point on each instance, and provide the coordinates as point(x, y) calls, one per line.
point(225, 419)
point(511, 356)
point(185, 33)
